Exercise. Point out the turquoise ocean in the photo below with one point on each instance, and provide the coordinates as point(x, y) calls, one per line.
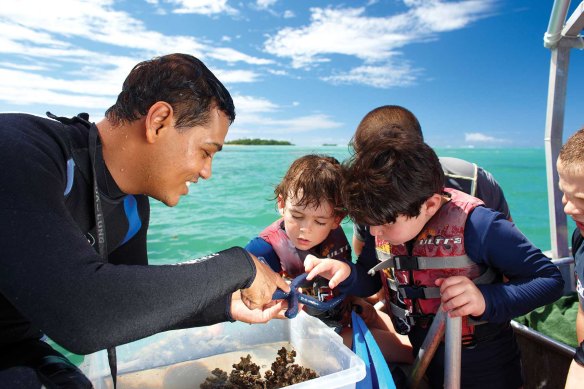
point(236, 203)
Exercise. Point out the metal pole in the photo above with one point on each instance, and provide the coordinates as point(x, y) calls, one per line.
point(554, 128)
point(557, 19)
point(452, 352)
point(429, 346)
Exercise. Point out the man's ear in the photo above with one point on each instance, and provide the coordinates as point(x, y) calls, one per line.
point(158, 119)
point(281, 205)
point(432, 205)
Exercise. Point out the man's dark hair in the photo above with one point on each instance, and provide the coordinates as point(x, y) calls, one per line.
point(388, 178)
point(314, 178)
point(388, 121)
point(182, 81)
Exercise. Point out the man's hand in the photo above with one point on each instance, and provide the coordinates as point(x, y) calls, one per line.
point(332, 269)
point(460, 296)
point(266, 281)
point(240, 312)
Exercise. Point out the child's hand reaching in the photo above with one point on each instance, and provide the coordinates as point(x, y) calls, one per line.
point(460, 296)
point(332, 269)
point(367, 312)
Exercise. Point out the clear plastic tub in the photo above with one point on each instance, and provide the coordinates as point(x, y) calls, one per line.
point(184, 358)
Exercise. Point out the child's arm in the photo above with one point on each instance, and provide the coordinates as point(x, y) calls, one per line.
point(260, 248)
point(346, 276)
point(533, 279)
point(575, 376)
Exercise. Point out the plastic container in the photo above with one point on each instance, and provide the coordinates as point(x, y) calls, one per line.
point(179, 359)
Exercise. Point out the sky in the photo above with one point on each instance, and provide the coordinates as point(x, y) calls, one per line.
point(474, 72)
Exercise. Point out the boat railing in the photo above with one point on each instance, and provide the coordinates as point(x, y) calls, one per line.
point(560, 37)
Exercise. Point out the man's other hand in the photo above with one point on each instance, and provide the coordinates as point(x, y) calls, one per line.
point(266, 281)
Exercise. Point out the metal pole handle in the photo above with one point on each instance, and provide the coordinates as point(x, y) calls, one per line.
point(452, 352)
point(429, 346)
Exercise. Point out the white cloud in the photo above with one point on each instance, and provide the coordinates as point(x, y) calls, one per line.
point(19, 66)
point(277, 72)
point(43, 56)
point(264, 124)
point(440, 16)
point(373, 40)
point(315, 122)
point(385, 76)
point(230, 55)
point(55, 24)
point(339, 31)
point(477, 137)
point(253, 105)
point(205, 7)
point(288, 14)
point(263, 4)
point(235, 76)
point(18, 87)
point(254, 116)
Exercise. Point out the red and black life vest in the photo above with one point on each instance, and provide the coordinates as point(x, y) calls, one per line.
point(335, 246)
point(438, 252)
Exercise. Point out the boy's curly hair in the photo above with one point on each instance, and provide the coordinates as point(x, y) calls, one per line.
point(312, 179)
point(390, 177)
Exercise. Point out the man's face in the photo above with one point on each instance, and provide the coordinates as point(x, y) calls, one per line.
point(571, 183)
point(181, 158)
point(401, 231)
point(307, 226)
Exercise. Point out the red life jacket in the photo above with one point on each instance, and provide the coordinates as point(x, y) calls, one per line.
point(438, 252)
point(335, 246)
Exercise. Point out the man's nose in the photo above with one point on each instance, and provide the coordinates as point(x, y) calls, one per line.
point(206, 171)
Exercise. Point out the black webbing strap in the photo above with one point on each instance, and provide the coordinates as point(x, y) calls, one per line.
point(101, 237)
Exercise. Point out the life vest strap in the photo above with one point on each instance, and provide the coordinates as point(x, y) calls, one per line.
point(427, 292)
point(402, 313)
point(412, 262)
point(414, 292)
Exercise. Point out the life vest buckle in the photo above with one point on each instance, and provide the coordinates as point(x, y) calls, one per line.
point(406, 262)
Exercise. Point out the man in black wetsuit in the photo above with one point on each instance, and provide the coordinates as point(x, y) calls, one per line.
point(74, 214)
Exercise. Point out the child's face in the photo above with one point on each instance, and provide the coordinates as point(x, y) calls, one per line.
point(307, 226)
point(571, 183)
point(401, 231)
point(406, 228)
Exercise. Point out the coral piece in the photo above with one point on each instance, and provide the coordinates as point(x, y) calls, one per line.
point(246, 374)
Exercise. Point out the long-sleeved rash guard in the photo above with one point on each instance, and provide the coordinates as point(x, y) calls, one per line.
point(492, 240)
point(52, 280)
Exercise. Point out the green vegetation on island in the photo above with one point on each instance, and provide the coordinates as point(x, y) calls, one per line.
point(257, 141)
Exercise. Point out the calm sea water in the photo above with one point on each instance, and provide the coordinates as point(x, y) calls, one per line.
point(236, 203)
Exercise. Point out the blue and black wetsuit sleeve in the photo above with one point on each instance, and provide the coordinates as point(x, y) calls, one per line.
point(360, 283)
point(260, 248)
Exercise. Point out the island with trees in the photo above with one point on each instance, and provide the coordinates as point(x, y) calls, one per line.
point(259, 142)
